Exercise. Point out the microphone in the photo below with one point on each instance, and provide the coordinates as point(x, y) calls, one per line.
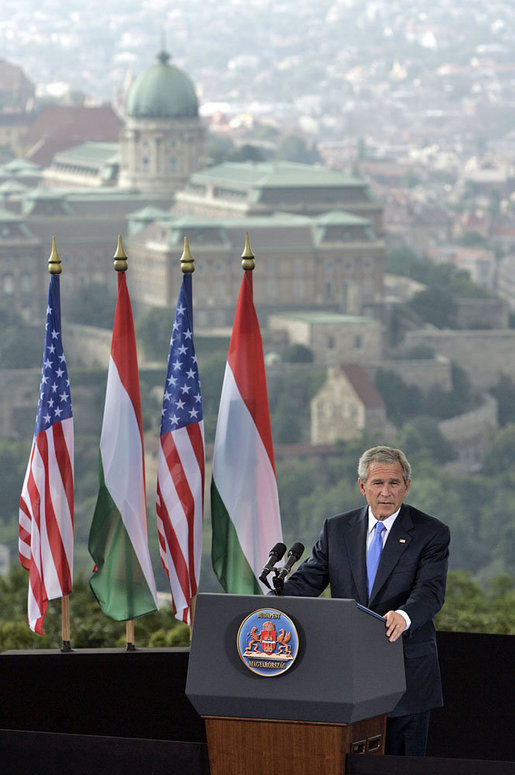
point(276, 554)
point(294, 554)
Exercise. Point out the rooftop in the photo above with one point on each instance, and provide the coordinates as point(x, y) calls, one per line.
point(276, 175)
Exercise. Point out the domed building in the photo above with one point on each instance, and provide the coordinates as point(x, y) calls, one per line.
point(162, 142)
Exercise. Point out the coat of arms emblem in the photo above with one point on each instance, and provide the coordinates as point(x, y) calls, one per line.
point(267, 642)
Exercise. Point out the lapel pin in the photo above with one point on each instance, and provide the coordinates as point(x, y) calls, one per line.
point(402, 540)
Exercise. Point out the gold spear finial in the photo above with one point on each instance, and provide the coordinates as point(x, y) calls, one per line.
point(247, 257)
point(120, 257)
point(187, 260)
point(54, 261)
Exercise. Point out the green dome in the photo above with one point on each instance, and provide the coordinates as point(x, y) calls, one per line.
point(162, 91)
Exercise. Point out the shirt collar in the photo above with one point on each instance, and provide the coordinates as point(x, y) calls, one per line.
point(388, 522)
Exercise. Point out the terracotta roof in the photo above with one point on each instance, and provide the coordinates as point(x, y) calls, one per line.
point(363, 386)
point(13, 78)
point(59, 127)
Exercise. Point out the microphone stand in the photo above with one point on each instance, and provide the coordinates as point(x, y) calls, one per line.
point(278, 582)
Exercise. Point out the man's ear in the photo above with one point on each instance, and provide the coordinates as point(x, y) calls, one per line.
point(361, 486)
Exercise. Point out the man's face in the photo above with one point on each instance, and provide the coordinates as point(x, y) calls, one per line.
point(384, 488)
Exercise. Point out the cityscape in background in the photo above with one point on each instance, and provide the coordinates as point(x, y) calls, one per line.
point(359, 142)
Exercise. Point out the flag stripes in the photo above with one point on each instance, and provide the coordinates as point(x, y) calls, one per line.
point(123, 578)
point(244, 500)
point(180, 478)
point(45, 537)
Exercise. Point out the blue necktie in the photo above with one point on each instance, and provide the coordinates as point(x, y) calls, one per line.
point(374, 555)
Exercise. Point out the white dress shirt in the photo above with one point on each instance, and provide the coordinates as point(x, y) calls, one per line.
point(388, 523)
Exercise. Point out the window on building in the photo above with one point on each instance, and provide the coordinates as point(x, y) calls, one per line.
point(26, 283)
point(201, 318)
point(219, 317)
point(220, 291)
point(298, 289)
point(8, 284)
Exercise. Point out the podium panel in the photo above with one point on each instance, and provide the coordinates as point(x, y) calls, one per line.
point(345, 669)
point(261, 747)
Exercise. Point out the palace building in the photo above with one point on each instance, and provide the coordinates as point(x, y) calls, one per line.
point(316, 232)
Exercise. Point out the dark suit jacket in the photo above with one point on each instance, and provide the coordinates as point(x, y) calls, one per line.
point(411, 577)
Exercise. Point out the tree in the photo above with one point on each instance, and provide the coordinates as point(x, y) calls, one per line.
point(422, 433)
point(247, 152)
point(440, 278)
point(20, 348)
point(473, 239)
point(469, 607)
point(13, 462)
point(153, 330)
point(504, 394)
point(291, 147)
point(298, 353)
point(401, 400)
point(90, 628)
point(500, 451)
point(218, 149)
point(90, 305)
point(296, 479)
point(436, 306)
point(290, 394)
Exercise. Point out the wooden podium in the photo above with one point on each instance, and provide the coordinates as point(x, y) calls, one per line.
point(331, 700)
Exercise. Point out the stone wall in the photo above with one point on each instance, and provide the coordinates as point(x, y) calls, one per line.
point(18, 403)
point(87, 345)
point(422, 373)
point(355, 340)
point(468, 434)
point(487, 313)
point(482, 354)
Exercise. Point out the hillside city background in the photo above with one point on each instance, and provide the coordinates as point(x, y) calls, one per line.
point(416, 99)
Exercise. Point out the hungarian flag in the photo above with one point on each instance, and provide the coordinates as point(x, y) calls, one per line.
point(45, 537)
point(123, 579)
point(244, 501)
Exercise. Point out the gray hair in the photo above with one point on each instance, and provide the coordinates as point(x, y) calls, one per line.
point(388, 455)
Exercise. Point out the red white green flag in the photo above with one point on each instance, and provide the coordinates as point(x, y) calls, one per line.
point(244, 502)
point(123, 579)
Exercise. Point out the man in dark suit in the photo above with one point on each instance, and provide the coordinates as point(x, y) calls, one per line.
point(411, 550)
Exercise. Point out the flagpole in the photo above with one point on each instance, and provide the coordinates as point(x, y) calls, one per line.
point(55, 267)
point(188, 267)
point(65, 624)
point(120, 265)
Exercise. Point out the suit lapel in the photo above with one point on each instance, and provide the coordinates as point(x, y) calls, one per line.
point(397, 543)
point(355, 539)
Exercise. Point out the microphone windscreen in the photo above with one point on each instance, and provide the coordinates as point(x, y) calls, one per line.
point(278, 550)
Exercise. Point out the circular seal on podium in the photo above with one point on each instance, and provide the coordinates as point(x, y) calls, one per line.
point(267, 642)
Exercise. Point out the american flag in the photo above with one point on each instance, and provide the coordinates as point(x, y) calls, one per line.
point(180, 478)
point(46, 504)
